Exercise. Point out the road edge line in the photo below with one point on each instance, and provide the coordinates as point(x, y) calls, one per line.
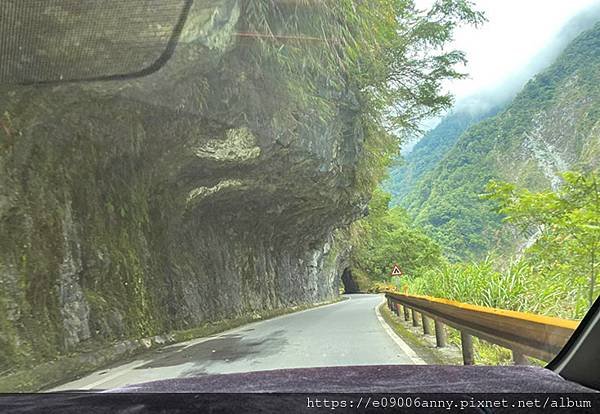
point(417, 360)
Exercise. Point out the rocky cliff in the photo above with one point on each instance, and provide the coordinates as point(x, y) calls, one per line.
point(204, 191)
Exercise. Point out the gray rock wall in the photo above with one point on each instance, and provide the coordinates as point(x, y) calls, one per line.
point(201, 192)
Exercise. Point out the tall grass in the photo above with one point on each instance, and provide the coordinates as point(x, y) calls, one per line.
point(517, 287)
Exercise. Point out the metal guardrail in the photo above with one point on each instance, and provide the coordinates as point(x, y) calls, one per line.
point(526, 334)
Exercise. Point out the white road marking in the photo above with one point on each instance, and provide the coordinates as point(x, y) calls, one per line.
point(403, 345)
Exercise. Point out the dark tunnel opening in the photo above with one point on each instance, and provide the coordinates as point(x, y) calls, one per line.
point(350, 285)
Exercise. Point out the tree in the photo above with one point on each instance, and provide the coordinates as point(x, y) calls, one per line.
point(391, 56)
point(386, 237)
point(569, 216)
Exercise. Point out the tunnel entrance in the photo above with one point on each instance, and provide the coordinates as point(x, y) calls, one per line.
point(350, 285)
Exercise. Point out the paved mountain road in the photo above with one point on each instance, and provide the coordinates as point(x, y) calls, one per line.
point(349, 332)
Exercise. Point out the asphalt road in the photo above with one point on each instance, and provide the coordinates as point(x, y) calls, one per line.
point(350, 332)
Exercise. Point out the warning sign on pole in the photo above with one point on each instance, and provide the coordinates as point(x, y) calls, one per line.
point(396, 271)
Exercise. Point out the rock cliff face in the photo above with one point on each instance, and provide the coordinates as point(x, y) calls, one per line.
point(201, 192)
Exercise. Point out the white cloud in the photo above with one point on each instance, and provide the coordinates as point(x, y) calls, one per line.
point(516, 30)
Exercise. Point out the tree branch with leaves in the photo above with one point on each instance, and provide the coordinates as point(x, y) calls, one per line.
point(570, 215)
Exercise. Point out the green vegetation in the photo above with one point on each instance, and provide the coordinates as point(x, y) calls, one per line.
point(429, 151)
point(513, 233)
point(567, 224)
point(527, 144)
point(515, 287)
point(386, 237)
point(387, 53)
point(556, 275)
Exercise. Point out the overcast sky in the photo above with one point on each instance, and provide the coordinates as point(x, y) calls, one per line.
point(516, 30)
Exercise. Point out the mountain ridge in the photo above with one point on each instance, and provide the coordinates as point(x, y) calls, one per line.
point(550, 126)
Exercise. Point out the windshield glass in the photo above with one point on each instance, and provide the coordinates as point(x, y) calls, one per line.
point(225, 186)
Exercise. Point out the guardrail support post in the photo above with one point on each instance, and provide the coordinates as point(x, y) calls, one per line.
point(414, 317)
point(426, 326)
point(515, 331)
point(467, 348)
point(519, 358)
point(398, 311)
point(440, 334)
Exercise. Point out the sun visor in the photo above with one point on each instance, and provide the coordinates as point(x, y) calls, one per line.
point(46, 41)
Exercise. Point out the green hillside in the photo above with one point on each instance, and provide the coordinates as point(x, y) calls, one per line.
point(430, 150)
point(550, 127)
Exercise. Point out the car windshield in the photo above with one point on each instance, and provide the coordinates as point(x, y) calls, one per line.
point(227, 186)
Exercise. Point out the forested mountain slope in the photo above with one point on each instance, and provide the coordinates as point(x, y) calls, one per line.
point(436, 143)
point(551, 126)
point(430, 150)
